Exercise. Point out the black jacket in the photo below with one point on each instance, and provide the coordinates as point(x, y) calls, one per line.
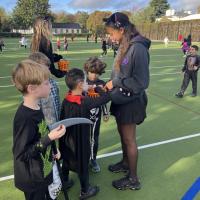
point(75, 144)
point(27, 149)
point(134, 69)
point(45, 47)
point(190, 62)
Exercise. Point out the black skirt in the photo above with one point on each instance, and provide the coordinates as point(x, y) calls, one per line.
point(133, 112)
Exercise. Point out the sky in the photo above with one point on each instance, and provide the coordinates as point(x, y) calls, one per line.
point(73, 6)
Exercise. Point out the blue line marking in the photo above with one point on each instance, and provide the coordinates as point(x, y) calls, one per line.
point(193, 190)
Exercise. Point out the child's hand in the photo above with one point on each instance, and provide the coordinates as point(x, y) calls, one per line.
point(195, 67)
point(105, 118)
point(57, 132)
point(57, 156)
point(109, 85)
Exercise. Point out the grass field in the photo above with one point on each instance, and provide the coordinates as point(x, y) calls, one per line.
point(166, 170)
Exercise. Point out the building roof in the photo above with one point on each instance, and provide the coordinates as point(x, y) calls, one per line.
point(190, 17)
point(66, 25)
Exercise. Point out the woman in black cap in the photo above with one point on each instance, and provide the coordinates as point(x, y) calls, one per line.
point(130, 71)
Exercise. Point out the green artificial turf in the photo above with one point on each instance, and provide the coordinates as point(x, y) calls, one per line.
point(166, 171)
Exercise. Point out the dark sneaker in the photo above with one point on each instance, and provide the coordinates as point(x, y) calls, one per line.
point(118, 167)
point(68, 184)
point(193, 95)
point(127, 183)
point(179, 94)
point(95, 166)
point(92, 191)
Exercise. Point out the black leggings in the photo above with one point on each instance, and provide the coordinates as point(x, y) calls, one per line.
point(129, 147)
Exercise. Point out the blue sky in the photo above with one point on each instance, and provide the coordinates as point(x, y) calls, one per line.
point(113, 5)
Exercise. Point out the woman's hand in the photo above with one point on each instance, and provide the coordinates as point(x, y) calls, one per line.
point(109, 85)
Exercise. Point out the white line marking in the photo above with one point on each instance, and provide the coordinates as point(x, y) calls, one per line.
point(5, 178)
point(5, 76)
point(140, 147)
point(162, 67)
point(6, 86)
point(165, 74)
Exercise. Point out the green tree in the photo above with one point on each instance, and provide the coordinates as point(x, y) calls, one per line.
point(143, 16)
point(3, 17)
point(26, 10)
point(95, 21)
point(64, 17)
point(81, 18)
point(198, 9)
point(159, 8)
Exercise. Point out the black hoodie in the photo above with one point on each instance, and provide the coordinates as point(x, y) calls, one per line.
point(134, 69)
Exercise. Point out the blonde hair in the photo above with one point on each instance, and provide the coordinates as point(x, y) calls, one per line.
point(41, 28)
point(29, 72)
point(40, 58)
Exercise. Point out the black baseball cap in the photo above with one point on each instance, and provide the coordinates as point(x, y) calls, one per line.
point(117, 20)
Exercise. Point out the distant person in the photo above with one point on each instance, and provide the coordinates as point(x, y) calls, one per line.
point(109, 43)
point(1, 44)
point(87, 38)
point(95, 38)
point(180, 37)
point(190, 69)
point(41, 42)
point(185, 48)
point(65, 43)
point(104, 47)
point(166, 41)
point(115, 47)
point(23, 42)
point(72, 37)
point(189, 40)
point(58, 44)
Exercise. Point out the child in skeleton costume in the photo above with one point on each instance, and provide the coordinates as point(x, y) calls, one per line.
point(75, 147)
point(94, 67)
point(190, 70)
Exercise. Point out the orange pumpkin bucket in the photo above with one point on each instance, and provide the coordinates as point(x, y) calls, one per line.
point(63, 65)
point(92, 93)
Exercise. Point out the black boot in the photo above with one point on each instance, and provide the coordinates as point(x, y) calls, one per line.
point(92, 191)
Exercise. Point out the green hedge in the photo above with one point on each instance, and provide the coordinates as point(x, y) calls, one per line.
point(10, 34)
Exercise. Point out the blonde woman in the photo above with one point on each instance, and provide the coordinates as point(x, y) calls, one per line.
point(41, 42)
